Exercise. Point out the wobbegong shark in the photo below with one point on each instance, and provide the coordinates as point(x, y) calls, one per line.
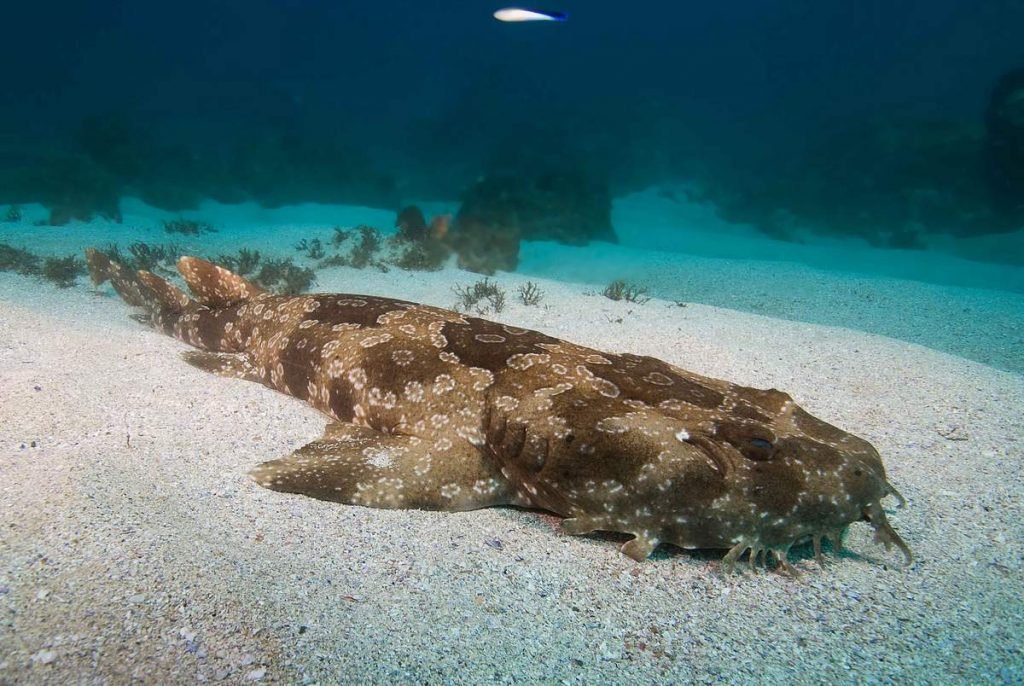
point(434, 409)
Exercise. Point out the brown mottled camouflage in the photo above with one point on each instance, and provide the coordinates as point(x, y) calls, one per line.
point(437, 410)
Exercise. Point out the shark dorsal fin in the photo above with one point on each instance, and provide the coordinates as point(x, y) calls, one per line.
point(215, 286)
point(160, 294)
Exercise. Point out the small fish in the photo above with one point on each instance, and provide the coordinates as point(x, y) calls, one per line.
point(521, 14)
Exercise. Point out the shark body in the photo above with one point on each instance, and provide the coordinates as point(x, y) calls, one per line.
point(433, 409)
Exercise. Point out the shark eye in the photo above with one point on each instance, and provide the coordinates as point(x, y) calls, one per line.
point(758, 449)
point(753, 441)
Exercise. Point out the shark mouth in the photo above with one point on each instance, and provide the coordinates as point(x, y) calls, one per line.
point(873, 514)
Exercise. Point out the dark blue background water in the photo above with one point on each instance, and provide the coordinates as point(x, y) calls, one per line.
point(739, 71)
point(432, 93)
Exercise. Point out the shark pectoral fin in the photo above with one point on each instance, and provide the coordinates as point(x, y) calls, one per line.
point(231, 365)
point(345, 431)
point(640, 548)
point(361, 466)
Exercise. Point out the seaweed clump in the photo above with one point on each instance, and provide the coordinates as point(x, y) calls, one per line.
point(314, 249)
point(152, 258)
point(245, 262)
point(620, 290)
point(285, 277)
point(17, 260)
point(422, 246)
point(362, 254)
point(155, 257)
point(339, 237)
point(336, 260)
point(146, 256)
point(366, 247)
point(530, 293)
point(485, 290)
point(369, 243)
point(62, 271)
point(426, 256)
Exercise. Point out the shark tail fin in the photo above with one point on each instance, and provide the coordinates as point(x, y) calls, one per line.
point(100, 266)
point(200, 322)
point(215, 286)
point(137, 288)
point(124, 280)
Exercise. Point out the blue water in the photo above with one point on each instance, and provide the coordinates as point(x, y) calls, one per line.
point(848, 163)
point(849, 138)
point(810, 122)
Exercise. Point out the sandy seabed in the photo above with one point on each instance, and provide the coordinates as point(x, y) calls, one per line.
point(133, 546)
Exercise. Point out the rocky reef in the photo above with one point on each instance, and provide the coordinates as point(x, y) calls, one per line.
point(565, 205)
point(1004, 148)
point(106, 157)
point(893, 180)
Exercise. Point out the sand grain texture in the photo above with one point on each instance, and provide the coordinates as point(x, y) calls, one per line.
point(133, 545)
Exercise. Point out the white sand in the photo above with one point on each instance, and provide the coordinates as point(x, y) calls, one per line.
point(132, 543)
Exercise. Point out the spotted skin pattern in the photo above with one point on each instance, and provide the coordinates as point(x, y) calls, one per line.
point(436, 410)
